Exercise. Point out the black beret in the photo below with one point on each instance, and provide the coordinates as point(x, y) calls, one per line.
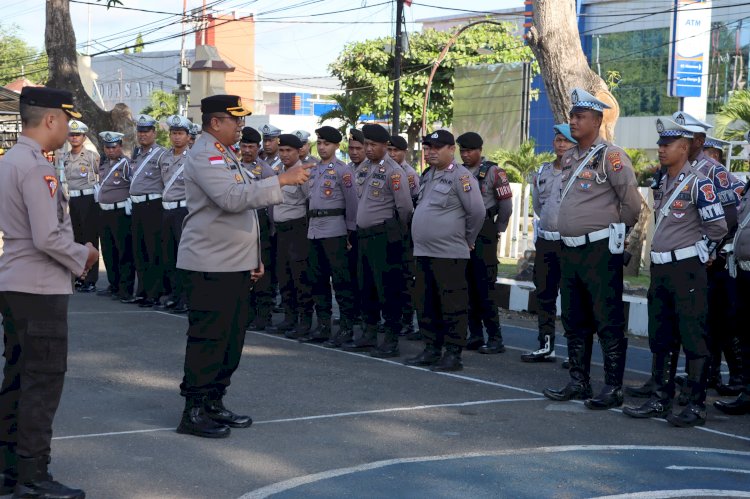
point(250, 135)
point(440, 138)
point(398, 142)
point(52, 98)
point(290, 140)
point(470, 140)
point(376, 133)
point(356, 135)
point(221, 103)
point(328, 133)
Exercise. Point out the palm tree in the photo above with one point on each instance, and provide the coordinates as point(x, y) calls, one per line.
point(733, 120)
point(348, 111)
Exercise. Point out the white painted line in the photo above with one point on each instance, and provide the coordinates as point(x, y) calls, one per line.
point(663, 494)
point(285, 485)
point(111, 312)
point(717, 432)
point(707, 468)
point(111, 433)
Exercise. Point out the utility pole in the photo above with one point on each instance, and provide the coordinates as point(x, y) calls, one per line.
point(395, 127)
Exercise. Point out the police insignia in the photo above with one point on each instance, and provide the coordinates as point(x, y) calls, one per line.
point(257, 170)
point(723, 179)
point(615, 161)
point(463, 178)
point(739, 190)
point(375, 192)
point(238, 178)
point(381, 169)
point(586, 175)
point(84, 172)
point(216, 160)
point(679, 214)
point(117, 174)
point(467, 187)
point(327, 192)
point(586, 185)
point(331, 171)
point(396, 181)
point(682, 176)
point(708, 192)
point(412, 181)
point(51, 182)
point(327, 183)
point(678, 205)
point(502, 176)
point(220, 147)
point(347, 179)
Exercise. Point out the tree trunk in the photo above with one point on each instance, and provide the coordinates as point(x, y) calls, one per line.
point(412, 136)
point(556, 43)
point(636, 239)
point(60, 43)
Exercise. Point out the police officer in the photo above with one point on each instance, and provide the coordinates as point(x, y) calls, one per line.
point(115, 223)
point(714, 148)
point(219, 252)
point(383, 216)
point(146, 186)
point(356, 149)
point(482, 266)
point(293, 247)
point(397, 151)
point(689, 224)
point(546, 190)
point(599, 201)
point(333, 213)
point(172, 166)
point(304, 154)
point(262, 296)
point(356, 152)
point(449, 215)
point(81, 166)
point(270, 153)
point(195, 129)
point(39, 255)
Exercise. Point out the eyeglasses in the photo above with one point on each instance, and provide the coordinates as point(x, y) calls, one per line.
point(240, 120)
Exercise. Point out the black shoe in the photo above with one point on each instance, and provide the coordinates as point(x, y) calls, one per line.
point(34, 480)
point(130, 299)
point(180, 308)
point(574, 390)
point(652, 408)
point(565, 364)
point(736, 407)
point(8, 469)
point(415, 336)
point(106, 292)
point(474, 342)
point(546, 352)
point(494, 345)
point(449, 362)
point(339, 339)
point(642, 392)
point(682, 399)
point(258, 325)
point(87, 288)
point(692, 415)
point(364, 343)
point(428, 357)
point(385, 351)
point(196, 422)
point(680, 379)
point(217, 412)
point(146, 303)
point(608, 398)
point(730, 389)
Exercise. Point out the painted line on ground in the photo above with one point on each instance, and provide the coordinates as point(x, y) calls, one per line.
point(706, 468)
point(666, 494)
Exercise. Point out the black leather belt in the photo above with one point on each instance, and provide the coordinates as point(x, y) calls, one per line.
point(327, 213)
point(289, 224)
point(371, 231)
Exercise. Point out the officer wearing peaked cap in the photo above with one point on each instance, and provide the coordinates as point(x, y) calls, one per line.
point(270, 153)
point(689, 221)
point(195, 129)
point(38, 258)
point(220, 255)
point(305, 156)
point(80, 165)
point(714, 148)
point(599, 201)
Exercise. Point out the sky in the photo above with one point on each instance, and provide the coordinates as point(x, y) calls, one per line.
point(298, 37)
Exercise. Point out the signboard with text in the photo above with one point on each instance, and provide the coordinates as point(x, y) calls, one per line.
point(689, 46)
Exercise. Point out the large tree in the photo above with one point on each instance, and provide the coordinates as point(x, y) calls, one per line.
point(60, 43)
point(18, 58)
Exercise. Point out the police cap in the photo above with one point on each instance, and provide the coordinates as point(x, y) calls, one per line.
point(222, 103)
point(398, 142)
point(439, 138)
point(356, 136)
point(290, 140)
point(376, 133)
point(329, 134)
point(470, 140)
point(52, 98)
point(250, 135)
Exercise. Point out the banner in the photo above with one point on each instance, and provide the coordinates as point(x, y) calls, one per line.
point(689, 46)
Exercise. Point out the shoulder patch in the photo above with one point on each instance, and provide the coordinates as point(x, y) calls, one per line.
point(347, 179)
point(708, 192)
point(615, 161)
point(396, 181)
point(502, 176)
point(723, 177)
point(51, 182)
point(412, 181)
point(220, 147)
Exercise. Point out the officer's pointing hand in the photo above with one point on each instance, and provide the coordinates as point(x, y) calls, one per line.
point(92, 259)
point(256, 274)
point(296, 175)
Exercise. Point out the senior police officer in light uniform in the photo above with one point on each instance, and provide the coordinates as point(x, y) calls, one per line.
point(546, 190)
point(262, 296)
point(172, 165)
point(599, 201)
point(146, 186)
point(333, 215)
point(482, 267)
point(449, 215)
point(81, 166)
point(220, 254)
point(689, 224)
point(383, 216)
point(115, 224)
point(37, 263)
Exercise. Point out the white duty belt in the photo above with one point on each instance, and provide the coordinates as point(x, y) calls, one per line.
point(660, 258)
point(113, 206)
point(591, 237)
point(145, 197)
point(548, 235)
point(172, 205)
point(78, 193)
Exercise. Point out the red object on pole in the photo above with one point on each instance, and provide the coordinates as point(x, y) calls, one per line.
point(407, 3)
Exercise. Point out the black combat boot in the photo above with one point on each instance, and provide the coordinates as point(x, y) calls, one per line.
point(475, 340)
point(643, 391)
point(738, 406)
point(659, 404)
point(389, 347)
point(578, 388)
point(450, 361)
point(546, 352)
point(8, 469)
point(289, 322)
point(320, 334)
point(344, 334)
point(35, 481)
point(364, 343)
point(217, 412)
point(615, 352)
point(429, 356)
point(407, 323)
point(694, 414)
point(494, 345)
point(195, 420)
point(733, 354)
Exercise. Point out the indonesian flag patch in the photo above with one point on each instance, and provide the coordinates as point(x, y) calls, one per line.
point(51, 182)
point(216, 160)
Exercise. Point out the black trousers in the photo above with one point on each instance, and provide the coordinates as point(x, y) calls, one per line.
point(292, 250)
point(218, 315)
point(117, 250)
point(146, 222)
point(547, 283)
point(171, 231)
point(36, 358)
point(409, 281)
point(443, 301)
point(481, 273)
point(742, 284)
point(329, 262)
point(263, 294)
point(84, 216)
point(379, 271)
point(722, 323)
point(353, 262)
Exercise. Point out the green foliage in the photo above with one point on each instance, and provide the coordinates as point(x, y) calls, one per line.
point(126, 50)
point(733, 119)
point(347, 111)
point(365, 70)
point(644, 167)
point(162, 104)
point(524, 160)
point(138, 44)
point(17, 58)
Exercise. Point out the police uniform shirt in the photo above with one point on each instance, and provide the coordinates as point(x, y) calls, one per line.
point(310, 159)
point(273, 161)
point(146, 179)
point(80, 169)
point(259, 169)
point(449, 215)
point(696, 211)
point(546, 195)
point(496, 192)
point(116, 185)
point(39, 253)
point(380, 188)
point(719, 176)
point(220, 232)
point(332, 188)
point(742, 243)
point(605, 191)
point(169, 164)
point(294, 205)
point(412, 178)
